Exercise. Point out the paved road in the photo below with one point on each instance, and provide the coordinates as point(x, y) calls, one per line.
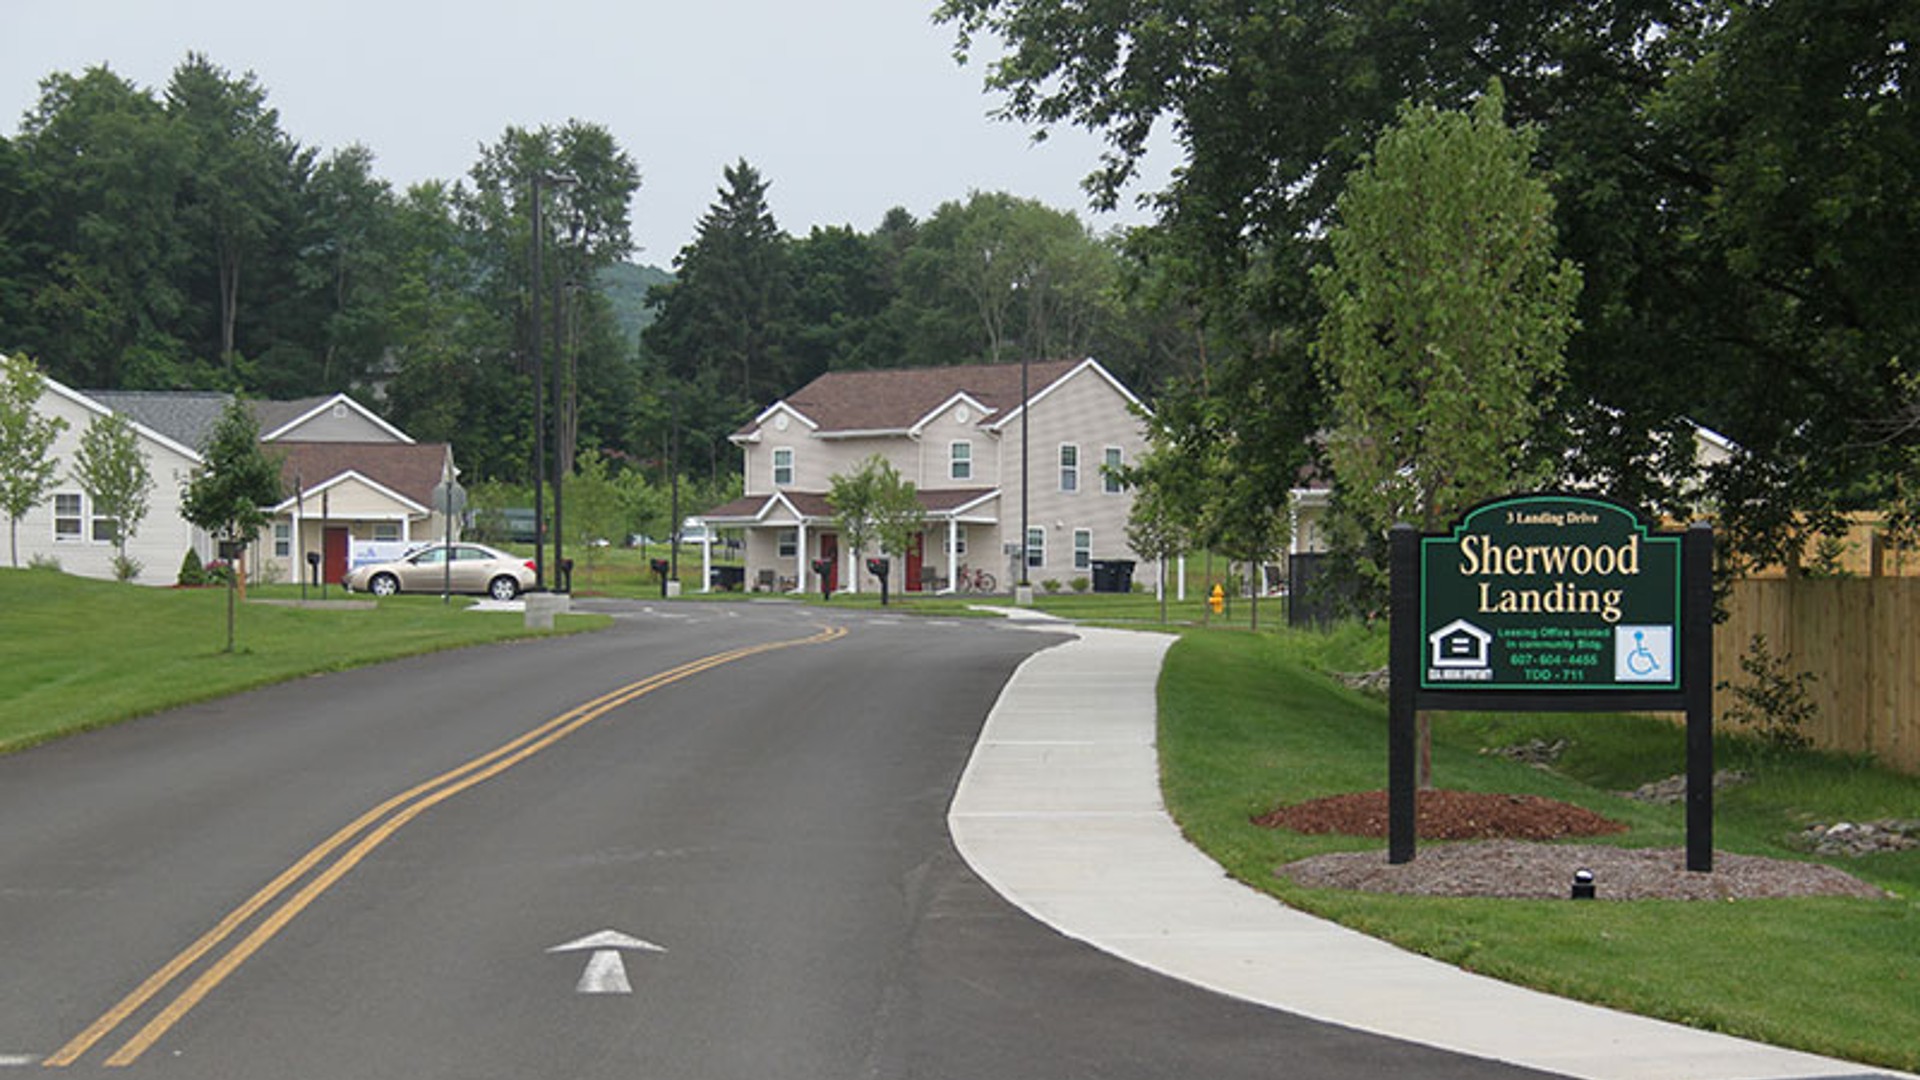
point(758, 790)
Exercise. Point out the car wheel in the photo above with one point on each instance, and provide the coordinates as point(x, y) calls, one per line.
point(503, 588)
point(383, 585)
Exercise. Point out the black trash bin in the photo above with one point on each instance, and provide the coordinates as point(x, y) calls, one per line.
point(728, 578)
point(1113, 575)
point(1102, 575)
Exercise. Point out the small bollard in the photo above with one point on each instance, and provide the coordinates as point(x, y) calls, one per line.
point(1582, 884)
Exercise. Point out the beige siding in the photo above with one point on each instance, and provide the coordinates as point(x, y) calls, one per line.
point(1089, 413)
point(163, 537)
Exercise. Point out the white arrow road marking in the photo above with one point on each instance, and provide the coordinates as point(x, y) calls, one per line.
point(606, 972)
point(18, 1061)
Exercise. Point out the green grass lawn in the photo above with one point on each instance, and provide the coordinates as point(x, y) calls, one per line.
point(82, 653)
point(1250, 722)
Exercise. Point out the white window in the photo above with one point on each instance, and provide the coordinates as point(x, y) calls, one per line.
point(282, 540)
point(1083, 549)
point(782, 466)
point(67, 517)
point(1069, 467)
point(960, 461)
point(960, 541)
point(386, 531)
point(1036, 548)
point(104, 529)
point(786, 545)
point(1109, 482)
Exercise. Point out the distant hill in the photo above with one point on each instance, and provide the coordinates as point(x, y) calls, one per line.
point(625, 287)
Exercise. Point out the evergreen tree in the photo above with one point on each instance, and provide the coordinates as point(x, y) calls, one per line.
point(725, 320)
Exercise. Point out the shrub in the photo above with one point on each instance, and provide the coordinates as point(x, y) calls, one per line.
point(192, 574)
point(1079, 584)
point(219, 572)
point(43, 562)
point(1774, 705)
point(126, 568)
point(1052, 585)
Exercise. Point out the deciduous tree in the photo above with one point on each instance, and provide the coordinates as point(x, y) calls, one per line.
point(1447, 314)
point(875, 503)
point(27, 470)
point(112, 469)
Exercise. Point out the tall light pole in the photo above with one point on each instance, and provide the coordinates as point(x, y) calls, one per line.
point(561, 180)
point(539, 410)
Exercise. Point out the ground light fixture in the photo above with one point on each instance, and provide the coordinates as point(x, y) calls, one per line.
point(1582, 884)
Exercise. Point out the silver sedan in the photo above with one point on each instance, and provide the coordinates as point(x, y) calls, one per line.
point(474, 568)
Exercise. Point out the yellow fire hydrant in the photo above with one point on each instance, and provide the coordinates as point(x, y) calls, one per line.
point(1217, 600)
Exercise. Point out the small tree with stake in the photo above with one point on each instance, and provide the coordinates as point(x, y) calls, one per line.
point(114, 474)
point(874, 502)
point(226, 495)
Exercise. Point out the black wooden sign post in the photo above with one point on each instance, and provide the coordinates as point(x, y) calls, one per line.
point(1551, 603)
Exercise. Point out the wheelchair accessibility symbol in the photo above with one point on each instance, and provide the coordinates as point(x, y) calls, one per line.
point(1643, 654)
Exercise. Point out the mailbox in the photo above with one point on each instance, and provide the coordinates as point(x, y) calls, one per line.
point(878, 568)
point(660, 566)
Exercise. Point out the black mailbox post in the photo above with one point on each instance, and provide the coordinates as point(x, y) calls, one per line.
point(822, 569)
point(313, 567)
point(878, 568)
point(660, 567)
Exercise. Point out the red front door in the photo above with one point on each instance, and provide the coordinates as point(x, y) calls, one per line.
point(334, 567)
point(916, 561)
point(830, 554)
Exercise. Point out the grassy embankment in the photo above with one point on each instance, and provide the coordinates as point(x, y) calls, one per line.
point(1252, 722)
point(82, 654)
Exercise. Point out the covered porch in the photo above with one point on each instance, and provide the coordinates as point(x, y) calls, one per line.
point(787, 533)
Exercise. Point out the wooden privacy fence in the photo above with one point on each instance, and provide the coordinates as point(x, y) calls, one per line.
point(1858, 635)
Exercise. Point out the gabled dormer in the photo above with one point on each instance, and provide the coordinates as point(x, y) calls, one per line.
point(336, 418)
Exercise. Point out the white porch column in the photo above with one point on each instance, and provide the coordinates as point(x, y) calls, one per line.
point(1180, 585)
point(706, 562)
point(801, 564)
point(953, 556)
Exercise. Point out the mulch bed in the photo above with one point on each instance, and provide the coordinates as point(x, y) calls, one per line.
point(1444, 815)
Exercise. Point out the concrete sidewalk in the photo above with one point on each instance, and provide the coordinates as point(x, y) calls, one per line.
point(1060, 811)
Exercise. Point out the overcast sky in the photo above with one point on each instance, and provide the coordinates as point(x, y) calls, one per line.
point(847, 107)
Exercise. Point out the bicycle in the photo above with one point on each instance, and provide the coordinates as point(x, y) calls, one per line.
point(969, 580)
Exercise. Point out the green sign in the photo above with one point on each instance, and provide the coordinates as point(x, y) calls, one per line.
point(1550, 592)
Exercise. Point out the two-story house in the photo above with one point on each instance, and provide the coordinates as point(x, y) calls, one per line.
point(957, 434)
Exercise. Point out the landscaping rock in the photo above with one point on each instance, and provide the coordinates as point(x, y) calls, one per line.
point(1861, 838)
point(1674, 788)
point(1538, 753)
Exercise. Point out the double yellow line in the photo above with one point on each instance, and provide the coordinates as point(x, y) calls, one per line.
point(358, 840)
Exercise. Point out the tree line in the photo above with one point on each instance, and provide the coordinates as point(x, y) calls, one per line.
point(183, 239)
